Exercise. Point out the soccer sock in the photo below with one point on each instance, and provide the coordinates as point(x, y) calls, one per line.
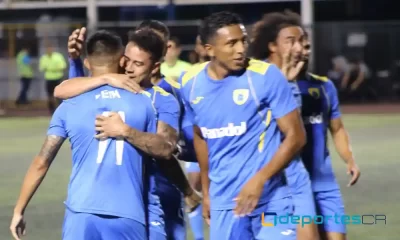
point(196, 223)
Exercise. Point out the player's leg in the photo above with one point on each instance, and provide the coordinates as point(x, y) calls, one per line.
point(280, 231)
point(224, 225)
point(330, 203)
point(303, 199)
point(111, 227)
point(79, 226)
point(172, 204)
point(195, 217)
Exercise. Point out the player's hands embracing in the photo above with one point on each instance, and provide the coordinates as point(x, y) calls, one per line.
point(18, 226)
point(122, 81)
point(249, 196)
point(76, 43)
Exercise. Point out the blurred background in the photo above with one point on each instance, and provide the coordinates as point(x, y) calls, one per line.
point(354, 38)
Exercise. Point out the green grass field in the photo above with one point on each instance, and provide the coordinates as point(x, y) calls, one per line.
point(375, 138)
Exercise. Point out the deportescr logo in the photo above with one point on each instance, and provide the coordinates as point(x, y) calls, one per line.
point(315, 119)
point(230, 131)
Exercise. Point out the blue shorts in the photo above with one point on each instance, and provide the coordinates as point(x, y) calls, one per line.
point(192, 167)
point(86, 226)
point(329, 203)
point(299, 184)
point(171, 200)
point(225, 226)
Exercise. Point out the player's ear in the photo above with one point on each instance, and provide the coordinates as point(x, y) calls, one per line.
point(272, 47)
point(87, 64)
point(156, 68)
point(209, 50)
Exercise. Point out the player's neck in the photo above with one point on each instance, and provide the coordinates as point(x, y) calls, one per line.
point(217, 71)
point(97, 71)
point(155, 80)
point(171, 62)
point(274, 59)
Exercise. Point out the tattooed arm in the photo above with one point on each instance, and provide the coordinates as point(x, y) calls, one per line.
point(37, 171)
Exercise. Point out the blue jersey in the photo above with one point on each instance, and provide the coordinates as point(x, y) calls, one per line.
point(237, 117)
point(320, 106)
point(107, 175)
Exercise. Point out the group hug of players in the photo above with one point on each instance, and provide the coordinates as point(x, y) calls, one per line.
point(253, 131)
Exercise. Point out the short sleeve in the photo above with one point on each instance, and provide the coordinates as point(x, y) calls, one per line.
point(75, 68)
point(333, 99)
point(57, 123)
point(278, 93)
point(188, 114)
point(169, 110)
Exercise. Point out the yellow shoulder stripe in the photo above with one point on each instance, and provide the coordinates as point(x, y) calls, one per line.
point(146, 93)
point(172, 82)
point(192, 72)
point(160, 90)
point(317, 77)
point(258, 66)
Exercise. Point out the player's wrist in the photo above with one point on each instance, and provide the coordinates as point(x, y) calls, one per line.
point(19, 211)
point(126, 131)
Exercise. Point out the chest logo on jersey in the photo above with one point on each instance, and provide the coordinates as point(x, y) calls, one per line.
point(314, 92)
point(240, 96)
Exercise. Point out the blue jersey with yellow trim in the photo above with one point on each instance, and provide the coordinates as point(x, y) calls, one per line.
point(237, 117)
point(107, 175)
point(320, 106)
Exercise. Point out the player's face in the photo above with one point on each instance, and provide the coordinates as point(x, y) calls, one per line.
point(306, 49)
point(229, 47)
point(139, 64)
point(290, 39)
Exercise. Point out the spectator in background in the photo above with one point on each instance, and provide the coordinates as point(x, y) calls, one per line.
point(339, 70)
point(193, 57)
point(173, 67)
point(354, 82)
point(25, 72)
point(53, 65)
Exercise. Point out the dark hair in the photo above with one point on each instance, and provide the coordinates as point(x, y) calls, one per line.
point(103, 43)
point(155, 25)
point(148, 41)
point(268, 31)
point(176, 41)
point(215, 21)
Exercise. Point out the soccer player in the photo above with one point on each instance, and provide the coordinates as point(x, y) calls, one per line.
point(240, 109)
point(320, 112)
point(278, 39)
point(169, 196)
point(105, 193)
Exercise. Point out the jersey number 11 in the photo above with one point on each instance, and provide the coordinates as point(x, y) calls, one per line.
point(119, 144)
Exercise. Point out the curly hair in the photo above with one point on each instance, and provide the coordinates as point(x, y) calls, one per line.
point(267, 31)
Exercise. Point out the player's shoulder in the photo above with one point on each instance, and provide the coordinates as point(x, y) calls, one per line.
point(160, 91)
point(192, 72)
point(259, 67)
point(171, 82)
point(321, 80)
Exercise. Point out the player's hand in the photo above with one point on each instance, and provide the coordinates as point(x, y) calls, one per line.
point(248, 197)
point(354, 171)
point(206, 210)
point(290, 67)
point(122, 81)
point(75, 43)
point(18, 226)
point(110, 126)
point(192, 201)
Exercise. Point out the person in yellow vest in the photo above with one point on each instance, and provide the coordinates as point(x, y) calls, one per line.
point(25, 72)
point(173, 67)
point(53, 64)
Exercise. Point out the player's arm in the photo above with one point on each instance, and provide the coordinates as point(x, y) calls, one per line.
point(340, 135)
point(37, 171)
point(76, 86)
point(284, 110)
point(277, 95)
